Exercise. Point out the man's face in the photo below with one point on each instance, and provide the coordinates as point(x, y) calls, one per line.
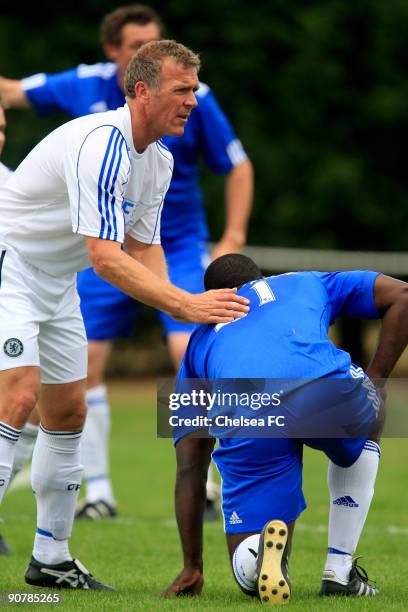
point(2, 129)
point(170, 106)
point(133, 37)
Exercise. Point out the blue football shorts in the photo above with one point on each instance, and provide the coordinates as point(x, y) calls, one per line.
point(262, 477)
point(108, 313)
point(261, 480)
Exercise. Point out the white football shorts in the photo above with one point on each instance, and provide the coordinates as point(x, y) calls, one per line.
point(40, 321)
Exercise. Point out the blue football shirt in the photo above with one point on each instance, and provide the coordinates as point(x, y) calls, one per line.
point(285, 333)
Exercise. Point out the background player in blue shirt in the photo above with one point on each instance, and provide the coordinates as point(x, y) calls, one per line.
point(285, 335)
point(107, 312)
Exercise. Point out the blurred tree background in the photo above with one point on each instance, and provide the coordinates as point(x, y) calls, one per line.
point(317, 91)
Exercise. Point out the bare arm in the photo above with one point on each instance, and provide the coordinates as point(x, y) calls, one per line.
point(193, 458)
point(150, 255)
point(12, 94)
point(138, 281)
point(239, 189)
point(391, 300)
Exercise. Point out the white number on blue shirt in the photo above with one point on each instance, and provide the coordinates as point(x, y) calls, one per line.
point(264, 292)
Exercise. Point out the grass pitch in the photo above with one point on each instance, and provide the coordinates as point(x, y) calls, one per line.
point(139, 553)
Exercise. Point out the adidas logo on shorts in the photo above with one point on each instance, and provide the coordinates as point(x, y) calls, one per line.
point(234, 519)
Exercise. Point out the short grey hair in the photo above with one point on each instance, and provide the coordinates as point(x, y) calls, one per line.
point(145, 65)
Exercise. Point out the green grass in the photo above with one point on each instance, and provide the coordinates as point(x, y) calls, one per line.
point(139, 553)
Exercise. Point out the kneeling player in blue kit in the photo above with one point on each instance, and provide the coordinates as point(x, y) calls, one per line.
point(285, 336)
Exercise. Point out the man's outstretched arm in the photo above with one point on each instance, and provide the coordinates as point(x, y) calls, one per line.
point(12, 94)
point(140, 282)
point(193, 459)
point(391, 300)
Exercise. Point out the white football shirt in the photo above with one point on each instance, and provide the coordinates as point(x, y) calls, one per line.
point(4, 173)
point(84, 179)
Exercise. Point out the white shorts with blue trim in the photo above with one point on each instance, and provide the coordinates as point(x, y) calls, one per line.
point(40, 321)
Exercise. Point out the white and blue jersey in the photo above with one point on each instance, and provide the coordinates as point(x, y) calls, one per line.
point(284, 336)
point(208, 134)
point(83, 179)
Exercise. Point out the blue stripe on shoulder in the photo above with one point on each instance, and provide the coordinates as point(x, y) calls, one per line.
point(114, 128)
point(113, 199)
point(108, 190)
point(105, 159)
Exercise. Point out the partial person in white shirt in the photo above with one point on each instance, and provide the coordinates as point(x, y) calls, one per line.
point(4, 174)
point(91, 186)
point(25, 444)
point(4, 171)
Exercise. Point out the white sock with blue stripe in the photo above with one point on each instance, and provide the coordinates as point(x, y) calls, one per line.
point(55, 477)
point(95, 447)
point(8, 438)
point(351, 491)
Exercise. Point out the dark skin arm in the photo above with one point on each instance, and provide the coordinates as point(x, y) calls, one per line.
point(391, 300)
point(193, 459)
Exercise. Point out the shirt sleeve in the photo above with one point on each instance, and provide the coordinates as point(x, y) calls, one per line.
point(147, 228)
point(351, 293)
point(222, 149)
point(49, 93)
point(96, 178)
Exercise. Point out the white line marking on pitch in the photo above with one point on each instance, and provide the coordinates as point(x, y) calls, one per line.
point(171, 524)
point(319, 528)
point(23, 480)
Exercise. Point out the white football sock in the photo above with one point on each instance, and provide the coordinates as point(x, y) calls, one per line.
point(8, 438)
point(351, 491)
point(213, 488)
point(24, 448)
point(95, 447)
point(50, 551)
point(55, 476)
point(244, 562)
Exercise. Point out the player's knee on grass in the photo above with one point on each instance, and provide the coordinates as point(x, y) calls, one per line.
point(243, 550)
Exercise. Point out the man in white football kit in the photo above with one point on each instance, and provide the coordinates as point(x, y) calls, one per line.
point(92, 185)
point(28, 436)
point(4, 171)
point(4, 175)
